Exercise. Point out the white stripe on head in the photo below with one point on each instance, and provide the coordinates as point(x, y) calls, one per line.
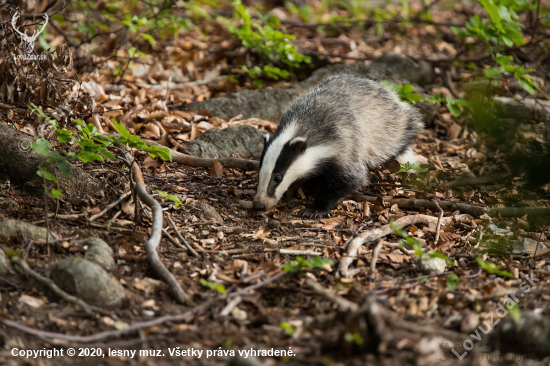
point(270, 158)
point(305, 164)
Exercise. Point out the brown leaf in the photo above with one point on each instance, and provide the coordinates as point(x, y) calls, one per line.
point(218, 169)
point(332, 222)
point(194, 132)
point(261, 233)
point(95, 210)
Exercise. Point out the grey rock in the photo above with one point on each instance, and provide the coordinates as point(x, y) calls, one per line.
point(11, 227)
point(269, 103)
point(206, 211)
point(216, 143)
point(19, 164)
point(428, 265)
point(99, 252)
point(88, 281)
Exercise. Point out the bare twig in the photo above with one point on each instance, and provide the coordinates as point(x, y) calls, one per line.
point(245, 290)
point(59, 292)
point(375, 252)
point(178, 234)
point(343, 304)
point(230, 306)
point(110, 206)
point(438, 227)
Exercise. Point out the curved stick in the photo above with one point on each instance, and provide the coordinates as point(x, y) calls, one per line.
point(374, 234)
point(156, 233)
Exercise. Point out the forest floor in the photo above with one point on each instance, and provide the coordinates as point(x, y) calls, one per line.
point(380, 308)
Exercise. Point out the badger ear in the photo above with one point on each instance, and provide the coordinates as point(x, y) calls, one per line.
point(298, 144)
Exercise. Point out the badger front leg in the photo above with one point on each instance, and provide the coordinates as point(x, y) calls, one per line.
point(329, 189)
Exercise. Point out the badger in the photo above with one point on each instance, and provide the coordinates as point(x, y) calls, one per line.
point(329, 138)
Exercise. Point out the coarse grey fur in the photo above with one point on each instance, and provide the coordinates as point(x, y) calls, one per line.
point(329, 138)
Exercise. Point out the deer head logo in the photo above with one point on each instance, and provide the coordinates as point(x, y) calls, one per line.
point(28, 40)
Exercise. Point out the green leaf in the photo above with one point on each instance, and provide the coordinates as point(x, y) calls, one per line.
point(503, 60)
point(170, 197)
point(63, 135)
point(214, 286)
point(515, 313)
point(122, 130)
point(149, 38)
point(289, 329)
point(164, 152)
point(41, 147)
point(515, 36)
point(442, 256)
point(492, 73)
point(492, 9)
point(408, 166)
point(406, 89)
point(526, 85)
point(452, 282)
point(55, 193)
point(45, 174)
point(493, 269)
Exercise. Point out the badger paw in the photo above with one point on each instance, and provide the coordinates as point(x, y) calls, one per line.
point(311, 213)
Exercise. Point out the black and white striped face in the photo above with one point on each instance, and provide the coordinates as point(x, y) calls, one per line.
point(285, 159)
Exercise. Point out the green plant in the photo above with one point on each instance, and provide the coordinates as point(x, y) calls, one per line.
point(315, 262)
point(493, 269)
point(354, 338)
point(416, 244)
point(92, 146)
point(452, 281)
point(289, 329)
point(268, 71)
point(214, 286)
point(406, 93)
point(271, 44)
point(408, 166)
point(170, 197)
point(500, 31)
point(519, 72)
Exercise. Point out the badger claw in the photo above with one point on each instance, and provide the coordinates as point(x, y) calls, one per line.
point(312, 213)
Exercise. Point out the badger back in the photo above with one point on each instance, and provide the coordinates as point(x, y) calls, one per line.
point(350, 121)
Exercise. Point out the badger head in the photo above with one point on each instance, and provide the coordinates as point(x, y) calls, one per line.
point(279, 168)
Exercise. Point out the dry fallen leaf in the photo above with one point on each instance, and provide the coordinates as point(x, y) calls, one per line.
point(33, 302)
point(332, 222)
point(218, 169)
point(261, 233)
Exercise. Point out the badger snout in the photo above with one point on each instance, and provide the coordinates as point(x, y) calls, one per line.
point(258, 205)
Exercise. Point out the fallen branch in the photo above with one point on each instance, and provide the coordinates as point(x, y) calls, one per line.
point(156, 233)
point(245, 290)
point(55, 289)
point(197, 162)
point(375, 234)
point(465, 208)
point(111, 333)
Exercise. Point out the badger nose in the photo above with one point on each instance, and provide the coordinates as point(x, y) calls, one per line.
point(258, 206)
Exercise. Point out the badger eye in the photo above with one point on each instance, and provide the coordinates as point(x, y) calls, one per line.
point(277, 178)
